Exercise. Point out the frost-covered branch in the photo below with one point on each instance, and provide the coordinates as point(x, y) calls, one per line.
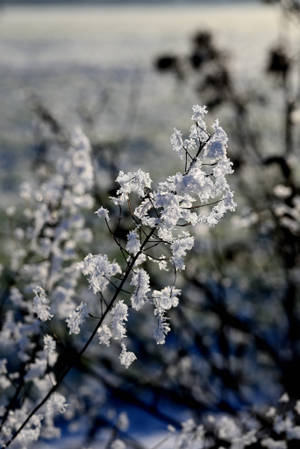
point(200, 194)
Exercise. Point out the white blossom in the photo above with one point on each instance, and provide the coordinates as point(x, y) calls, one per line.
point(57, 404)
point(132, 182)
point(99, 270)
point(140, 280)
point(50, 349)
point(118, 317)
point(177, 143)
point(198, 114)
point(102, 212)
point(76, 318)
point(133, 243)
point(40, 304)
point(179, 249)
point(166, 298)
point(126, 357)
point(104, 335)
point(162, 327)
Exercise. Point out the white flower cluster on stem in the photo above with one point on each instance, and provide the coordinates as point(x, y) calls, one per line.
point(161, 218)
point(43, 296)
point(199, 194)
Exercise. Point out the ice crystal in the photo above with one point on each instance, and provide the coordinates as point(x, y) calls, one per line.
point(40, 304)
point(76, 318)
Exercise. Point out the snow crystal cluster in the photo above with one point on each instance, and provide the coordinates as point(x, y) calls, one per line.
point(278, 428)
point(161, 217)
point(44, 278)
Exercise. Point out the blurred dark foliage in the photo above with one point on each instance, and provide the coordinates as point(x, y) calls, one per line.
point(279, 63)
point(291, 5)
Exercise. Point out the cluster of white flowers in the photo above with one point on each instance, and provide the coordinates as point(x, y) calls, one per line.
point(99, 270)
point(200, 194)
point(140, 280)
point(43, 291)
point(279, 428)
point(40, 304)
point(76, 318)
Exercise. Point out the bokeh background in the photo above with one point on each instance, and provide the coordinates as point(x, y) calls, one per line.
point(93, 66)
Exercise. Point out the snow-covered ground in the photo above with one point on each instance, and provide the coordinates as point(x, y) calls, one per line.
point(101, 58)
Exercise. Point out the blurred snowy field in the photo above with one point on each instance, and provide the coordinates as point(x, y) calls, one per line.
point(100, 59)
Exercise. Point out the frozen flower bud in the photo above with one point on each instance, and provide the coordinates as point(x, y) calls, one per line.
point(133, 243)
point(179, 249)
point(56, 404)
point(177, 143)
point(118, 317)
point(104, 335)
point(132, 182)
point(76, 318)
point(50, 349)
point(40, 304)
point(162, 327)
point(102, 213)
point(126, 357)
point(99, 270)
point(140, 280)
point(166, 298)
point(198, 114)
